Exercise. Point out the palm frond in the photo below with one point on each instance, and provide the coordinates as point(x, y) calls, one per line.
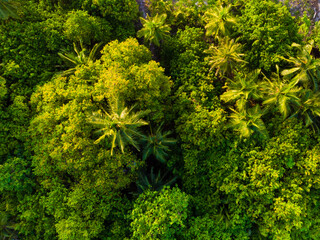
point(154, 29)
point(157, 144)
point(246, 122)
point(219, 21)
point(154, 182)
point(224, 57)
point(80, 57)
point(8, 9)
point(120, 123)
point(242, 89)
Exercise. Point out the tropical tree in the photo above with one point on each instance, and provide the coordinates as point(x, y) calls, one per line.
point(306, 68)
point(225, 57)
point(267, 29)
point(281, 93)
point(120, 124)
point(7, 227)
point(80, 58)
point(242, 89)
point(219, 21)
point(153, 181)
point(309, 108)
point(81, 27)
point(248, 121)
point(161, 7)
point(154, 29)
point(8, 9)
point(160, 215)
point(157, 144)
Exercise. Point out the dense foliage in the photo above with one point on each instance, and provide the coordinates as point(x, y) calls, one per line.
point(187, 120)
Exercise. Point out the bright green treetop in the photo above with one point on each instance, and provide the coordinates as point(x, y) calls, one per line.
point(159, 215)
point(154, 29)
point(225, 57)
point(219, 21)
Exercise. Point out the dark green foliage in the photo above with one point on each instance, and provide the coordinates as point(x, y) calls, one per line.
point(121, 15)
point(193, 85)
point(266, 180)
point(159, 215)
point(81, 27)
point(16, 176)
point(120, 10)
point(13, 127)
point(28, 52)
point(267, 30)
point(8, 10)
point(235, 101)
point(7, 227)
point(206, 228)
point(154, 181)
point(157, 144)
point(185, 49)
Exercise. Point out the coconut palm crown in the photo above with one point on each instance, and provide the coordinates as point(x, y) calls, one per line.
point(282, 94)
point(219, 21)
point(225, 57)
point(154, 29)
point(120, 125)
point(305, 68)
point(242, 89)
point(157, 144)
point(80, 58)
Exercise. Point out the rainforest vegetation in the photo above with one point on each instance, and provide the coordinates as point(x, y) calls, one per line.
point(187, 119)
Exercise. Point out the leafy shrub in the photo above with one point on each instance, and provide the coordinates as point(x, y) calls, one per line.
point(267, 29)
point(81, 27)
point(159, 215)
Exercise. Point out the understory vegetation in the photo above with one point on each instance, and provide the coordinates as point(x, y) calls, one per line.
point(199, 121)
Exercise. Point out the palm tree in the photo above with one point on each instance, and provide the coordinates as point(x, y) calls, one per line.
point(281, 93)
point(309, 108)
point(219, 21)
point(154, 29)
point(242, 90)
point(8, 9)
point(157, 144)
point(224, 57)
point(120, 124)
point(248, 121)
point(306, 68)
point(154, 182)
point(7, 227)
point(80, 58)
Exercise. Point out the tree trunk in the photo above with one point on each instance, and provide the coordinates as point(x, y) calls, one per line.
point(143, 8)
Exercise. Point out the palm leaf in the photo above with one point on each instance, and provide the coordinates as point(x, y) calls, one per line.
point(120, 124)
point(290, 71)
point(7, 10)
point(157, 144)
